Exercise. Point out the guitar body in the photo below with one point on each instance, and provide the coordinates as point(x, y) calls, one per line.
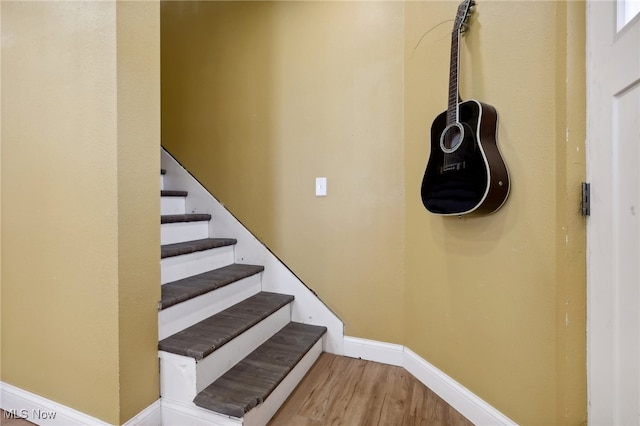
point(465, 173)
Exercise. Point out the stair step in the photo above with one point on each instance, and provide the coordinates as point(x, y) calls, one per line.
point(163, 172)
point(183, 376)
point(167, 193)
point(253, 379)
point(203, 338)
point(179, 218)
point(197, 285)
point(177, 249)
point(175, 318)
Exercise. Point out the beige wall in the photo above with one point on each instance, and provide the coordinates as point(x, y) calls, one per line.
point(0, 197)
point(259, 98)
point(138, 94)
point(80, 242)
point(498, 302)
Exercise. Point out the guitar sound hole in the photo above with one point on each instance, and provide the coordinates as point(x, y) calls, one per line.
point(451, 138)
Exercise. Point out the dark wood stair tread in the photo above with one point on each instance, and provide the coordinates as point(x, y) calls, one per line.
point(177, 218)
point(201, 339)
point(194, 286)
point(253, 379)
point(163, 172)
point(177, 249)
point(172, 193)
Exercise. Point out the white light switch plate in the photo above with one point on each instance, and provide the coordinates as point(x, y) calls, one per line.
point(321, 187)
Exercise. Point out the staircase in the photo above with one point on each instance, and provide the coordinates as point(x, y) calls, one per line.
point(235, 336)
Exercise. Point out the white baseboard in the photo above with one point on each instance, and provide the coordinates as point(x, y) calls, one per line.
point(43, 411)
point(40, 410)
point(20, 403)
point(474, 408)
point(176, 413)
point(372, 350)
point(150, 416)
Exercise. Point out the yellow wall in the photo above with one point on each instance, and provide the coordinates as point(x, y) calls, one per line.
point(259, 98)
point(0, 198)
point(498, 302)
point(138, 94)
point(80, 242)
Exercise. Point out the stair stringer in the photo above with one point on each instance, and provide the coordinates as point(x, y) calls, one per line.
point(276, 277)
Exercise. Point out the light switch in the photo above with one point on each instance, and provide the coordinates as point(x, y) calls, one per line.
point(321, 187)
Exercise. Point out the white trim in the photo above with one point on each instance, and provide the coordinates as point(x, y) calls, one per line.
point(35, 408)
point(181, 413)
point(150, 416)
point(372, 350)
point(474, 408)
point(43, 411)
point(169, 412)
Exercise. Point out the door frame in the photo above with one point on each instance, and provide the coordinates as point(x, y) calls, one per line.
point(601, 228)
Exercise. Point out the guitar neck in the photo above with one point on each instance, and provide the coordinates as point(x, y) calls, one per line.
point(454, 93)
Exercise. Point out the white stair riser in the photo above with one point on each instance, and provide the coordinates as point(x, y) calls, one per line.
point(181, 378)
point(261, 414)
point(185, 314)
point(277, 277)
point(188, 413)
point(172, 205)
point(179, 267)
point(161, 181)
point(222, 360)
point(171, 233)
point(177, 377)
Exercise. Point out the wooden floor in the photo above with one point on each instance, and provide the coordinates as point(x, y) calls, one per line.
point(353, 392)
point(348, 391)
point(6, 419)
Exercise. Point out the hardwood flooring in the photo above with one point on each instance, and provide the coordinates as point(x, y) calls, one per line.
point(348, 391)
point(353, 392)
point(7, 419)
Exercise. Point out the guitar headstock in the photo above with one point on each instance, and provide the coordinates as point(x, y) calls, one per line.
point(464, 10)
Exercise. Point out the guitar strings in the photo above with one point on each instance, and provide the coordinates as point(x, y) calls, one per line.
point(425, 34)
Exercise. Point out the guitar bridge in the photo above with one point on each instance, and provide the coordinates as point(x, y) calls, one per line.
point(453, 167)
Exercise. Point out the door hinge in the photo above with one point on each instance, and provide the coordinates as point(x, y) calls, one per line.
point(586, 199)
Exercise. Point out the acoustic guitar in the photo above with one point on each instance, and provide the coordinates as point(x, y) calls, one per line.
point(465, 172)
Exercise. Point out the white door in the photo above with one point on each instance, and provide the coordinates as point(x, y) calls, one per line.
point(613, 229)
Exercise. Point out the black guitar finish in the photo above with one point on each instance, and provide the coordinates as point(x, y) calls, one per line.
point(465, 173)
point(473, 178)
